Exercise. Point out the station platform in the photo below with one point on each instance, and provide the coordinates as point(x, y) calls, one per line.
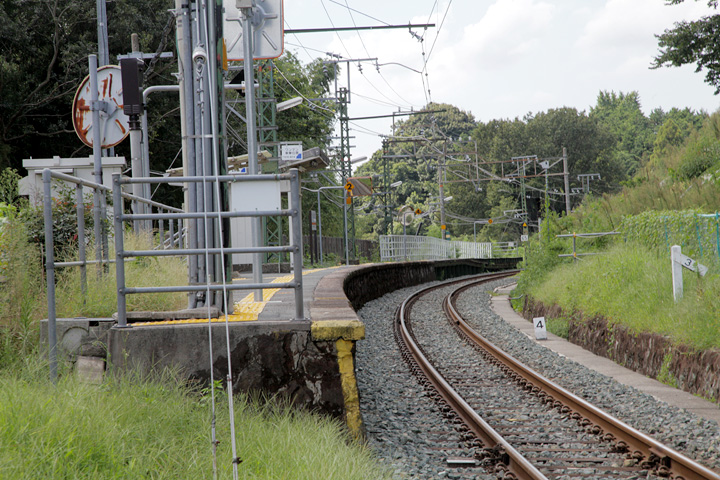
point(278, 304)
point(672, 396)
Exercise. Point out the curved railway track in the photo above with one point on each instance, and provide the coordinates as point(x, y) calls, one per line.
point(543, 431)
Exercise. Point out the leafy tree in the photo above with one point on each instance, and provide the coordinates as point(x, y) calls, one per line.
point(44, 47)
point(693, 42)
point(622, 116)
point(435, 131)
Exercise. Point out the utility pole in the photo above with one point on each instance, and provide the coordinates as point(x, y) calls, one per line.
point(441, 181)
point(566, 174)
point(386, 188)
point(187, 130)
point(248, 63)
point(346, 167)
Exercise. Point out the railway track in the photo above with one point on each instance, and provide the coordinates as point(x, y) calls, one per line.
point(528, 426)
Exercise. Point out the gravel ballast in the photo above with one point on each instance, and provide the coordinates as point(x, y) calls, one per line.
point(407, 430)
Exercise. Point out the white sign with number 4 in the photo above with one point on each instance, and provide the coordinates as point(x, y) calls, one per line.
point(540, 328)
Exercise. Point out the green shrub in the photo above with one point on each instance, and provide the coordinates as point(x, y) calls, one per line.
point(65, 225)
point(699, 155)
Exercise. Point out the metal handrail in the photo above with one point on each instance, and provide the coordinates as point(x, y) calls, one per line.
point(294, 212)
point(101, 240)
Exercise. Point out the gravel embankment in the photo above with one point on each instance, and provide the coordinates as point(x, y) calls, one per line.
point(407, 431)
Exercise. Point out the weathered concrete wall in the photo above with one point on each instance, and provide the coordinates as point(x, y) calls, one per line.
point(79, 336)
point(653, 355)
point(277, 358)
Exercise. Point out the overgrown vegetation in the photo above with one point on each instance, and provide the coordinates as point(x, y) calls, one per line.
point(131, 428)
point(670, 201)
point(631, 284)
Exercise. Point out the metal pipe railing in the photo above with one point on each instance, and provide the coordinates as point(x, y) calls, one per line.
point(100, 245)
point(295, 248)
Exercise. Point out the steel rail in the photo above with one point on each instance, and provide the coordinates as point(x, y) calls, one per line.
point(669, 461)
point(516, 463)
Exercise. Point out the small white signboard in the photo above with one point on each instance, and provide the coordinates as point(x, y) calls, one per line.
point(540, 328)
point(691, 264)
point(678, 262)
point(523, 238)
point(291, 152)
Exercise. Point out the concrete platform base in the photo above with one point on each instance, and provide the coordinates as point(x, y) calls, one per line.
point(276, 358)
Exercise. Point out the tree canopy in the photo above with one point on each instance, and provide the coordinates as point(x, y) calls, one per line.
point(695, 42)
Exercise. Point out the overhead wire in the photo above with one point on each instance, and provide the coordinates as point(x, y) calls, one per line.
point(376, 100)
point(426, 57)
point(322, 2)
point(437, 35)
point(306, 48)
point(362, 42)
point(358, 11)
point(301, 44)
point(327, 13)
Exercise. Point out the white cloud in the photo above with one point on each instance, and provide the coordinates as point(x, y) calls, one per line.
point(632, 25)
point(509, 30)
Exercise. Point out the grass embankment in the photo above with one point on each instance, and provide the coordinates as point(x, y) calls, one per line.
point(630, 284)
point(133, 429)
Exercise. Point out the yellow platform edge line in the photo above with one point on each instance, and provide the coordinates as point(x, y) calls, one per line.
point(245, 310)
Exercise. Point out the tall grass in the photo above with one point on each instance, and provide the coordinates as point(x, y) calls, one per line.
point(128, 429)
point(101, 297)
point(633, 286)
point(22, 290)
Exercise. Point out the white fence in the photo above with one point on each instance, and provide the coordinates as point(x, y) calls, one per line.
point(398, 248)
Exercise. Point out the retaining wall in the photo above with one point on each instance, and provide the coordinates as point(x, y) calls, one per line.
point(651, 354)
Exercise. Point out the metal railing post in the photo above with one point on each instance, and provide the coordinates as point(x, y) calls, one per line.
point(50, 274)
point(171, 233)
point(297, 242)
point(162, 229)
point(320, 226)
point(119, 254)
point(80, 209)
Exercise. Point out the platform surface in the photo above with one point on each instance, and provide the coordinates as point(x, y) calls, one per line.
point(323, 297)
point(672, 396)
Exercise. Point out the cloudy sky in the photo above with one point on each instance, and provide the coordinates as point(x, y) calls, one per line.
point(497, 58)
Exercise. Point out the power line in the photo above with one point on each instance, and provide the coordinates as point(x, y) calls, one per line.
point(438, 32)
point(301, 44)
point(309, 48)
point(357, 11)
point(352, 17)
point(333, 24)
